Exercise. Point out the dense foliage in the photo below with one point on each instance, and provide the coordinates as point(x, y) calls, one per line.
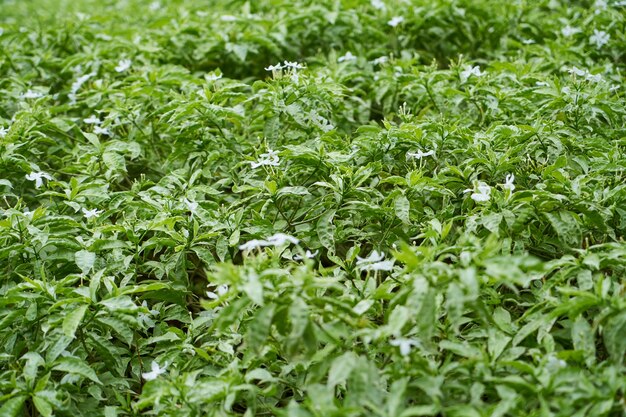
point(312, 208)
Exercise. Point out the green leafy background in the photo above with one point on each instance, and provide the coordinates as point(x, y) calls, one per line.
point(510, 307)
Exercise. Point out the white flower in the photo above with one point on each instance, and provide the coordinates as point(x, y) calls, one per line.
point(375, 256)
point(228, 18)
point(253, 244)
point(395, 21)
point(542, 84)
point(294, 65)
point(92, 120)
point(577, 71)
point(374, 262)
point(192, 206)
point(154, 6)
point(419, 154)
point(101, 130)
point(91, 213)
point(569, 31)
point(469, 71)
point(600, 5)
point(156, 371)
point(38, 178)
point(380, 60)
point(378, 4)
point(80, 81)
point(3, 132)
point(212, 77)
point(481, 193)
point(123, 65)
point(307, 255)
point(276, 67)
point(528, 41)
point(269, 158)
point(508, 183)
point(32, 94)
point(404, 345)
point(379, 266)
point(347, 57)
point(279, 239)
point(220, 290)
point(596, 78)
point(599, 38)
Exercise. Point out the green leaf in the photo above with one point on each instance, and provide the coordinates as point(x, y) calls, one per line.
point(326, 230)
point(85, 260)
point(13, 406)
point(76, 366)
point(402, 208)
point(72, 320)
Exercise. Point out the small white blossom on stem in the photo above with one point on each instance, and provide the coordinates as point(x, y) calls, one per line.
point(91, 213)
point(123, 65)
point(395, 21)
point(294, 65)
point(3, 132)
point(32, 94)
point(419, 154)
point(101, 130)
point(92, 120)
point(212, 77)
point(307, 255)
point(220, 290)
point(508, 182)
point(469, 71)
point(347, 57)
point(276, 67)
point(374, 262)
point(378, 4)
point(380, 60)
point(192, 206)
point(481, 193)
point(569, 31)
point(599, 38)
point(38, 178)
point(279, 239)
point(270, 158)
point(154, 373)
point(405, 345)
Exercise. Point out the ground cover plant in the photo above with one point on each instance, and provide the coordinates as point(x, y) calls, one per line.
point(312, 208)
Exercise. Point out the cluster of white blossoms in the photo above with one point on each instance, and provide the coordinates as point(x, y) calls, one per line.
point(279, 239)
point(395, 21)
point(569, 31)
point(92, 120)
point(38, 177)
point(270, 158)
point(346, 57)
point(123, 65)
point(220, 290)
point(419, 154)
point(405, 345)
point(76, 85)
point(599, 38)
point(307, 255)
point(469, 71)
point(290, 67)
point(31, 94)
point(155, 372)
point(482, 191)
point(192, 206)
point(91, 213)
point(378, 4)
point(374, 262)
point(596, 78)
